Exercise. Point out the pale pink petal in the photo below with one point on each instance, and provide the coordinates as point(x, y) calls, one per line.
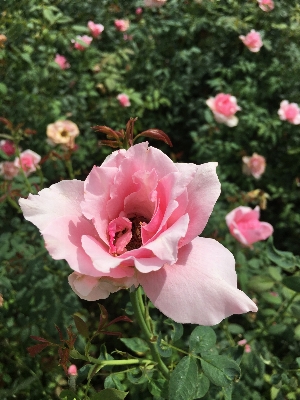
point(59, 200)
point(201, 288)
point(262, 232)
point(203, 192)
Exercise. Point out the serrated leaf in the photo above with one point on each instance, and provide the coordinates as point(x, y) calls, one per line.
point(136, 344)
point(81, 326)
point(109, 394)
point(183, 381)
point(202, 339)
point(220, 370)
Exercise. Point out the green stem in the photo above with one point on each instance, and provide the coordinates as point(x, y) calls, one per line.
point(139, 312)
point(70, 168)
point(13, 203)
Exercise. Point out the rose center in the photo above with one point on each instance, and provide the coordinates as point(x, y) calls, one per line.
point(64, 133)
point(136, 240)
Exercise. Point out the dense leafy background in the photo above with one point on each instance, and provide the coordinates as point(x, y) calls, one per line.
point(179, 55)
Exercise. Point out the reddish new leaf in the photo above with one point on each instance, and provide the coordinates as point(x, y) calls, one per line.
point(40, 339)
point(36, 349)
point(156, 134)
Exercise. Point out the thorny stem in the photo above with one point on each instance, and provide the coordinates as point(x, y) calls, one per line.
point(140, 315)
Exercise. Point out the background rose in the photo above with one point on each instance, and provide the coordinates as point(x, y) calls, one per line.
point(61, 61)
point(224, 106)
point(62, 132)
point(95, 29)
point(8, 170)
point(136, 220)
point(154, 3)
point(28, 160)
point(124, 100)
point(82, 42)
point(244, 225)
point(122, 24)
point(252, 40)
point(289, 112)
point(8, 147)
point(266, 5)
point(254, 165)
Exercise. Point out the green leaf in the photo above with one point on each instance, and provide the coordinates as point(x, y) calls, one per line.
point(3, 88)
point(275, 273)
point(220, 370)
point(202, 339)
point(109, 394)
point(183, 381)
point(81, 326)
point(177, 329)
point(67, 395)
point(158, 388)
point(292, 282)
point(138, 376)
point(283, 259)
point(136, 344)
point(163, 350)
point(261, 283)
point(203, 384)
point(48, 15)
point(235, 329)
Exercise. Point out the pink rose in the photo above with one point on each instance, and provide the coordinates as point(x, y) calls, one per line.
point(135, 220)
point(266, 5)
point(252, 40)
point(154, 3)
point(243, 342)
point(122, 24)
point(139, 11)
point(95, 29)
point(82, 42)
point(61, 61)
point(289, 112)
point(254, 165)
point(8, 147)
point(72, 370)
point(62, 132)
point(123, 100)
point(8, 170)
point(224, 106)
point(244, 225)
point(28, 160)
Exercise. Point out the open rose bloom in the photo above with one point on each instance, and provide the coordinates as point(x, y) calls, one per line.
point(82, 42)
point(254, 165)
point(8, 170)
point(289, 112)
point(8, 147)
point(62, 132)
point(224, 106)
point(244, 225)
point(135, 220)
point(266, 5)
point(124, 100)
point(95, 29)
point(252, 40)
point(28, 161)
point(122, 24)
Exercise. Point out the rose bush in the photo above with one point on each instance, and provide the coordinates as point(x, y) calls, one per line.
point(244, 225)
point(136, 220)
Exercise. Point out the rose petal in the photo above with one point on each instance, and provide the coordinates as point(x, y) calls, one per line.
point(201, 288)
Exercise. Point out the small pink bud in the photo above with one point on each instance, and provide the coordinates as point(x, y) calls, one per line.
point(72, 370)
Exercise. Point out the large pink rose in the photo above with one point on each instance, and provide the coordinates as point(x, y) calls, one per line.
point(289, 112)
point(252, 40)
point(244, 225)
point(224, 106)
point(254, 165)
point(266, 5)
point(136, 220)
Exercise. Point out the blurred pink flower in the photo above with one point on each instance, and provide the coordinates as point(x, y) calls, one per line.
point(28, 160)
point(62, 132)
point(243, 342)
point(127, 37)
point(252, 40)
point(139, 11)
point(154, 3)
point(289, 112)
point(8, 170)
point(275, 294)
point(244, 225)
point(72, 370)
point(224, 106)
point(135, 220)
point(123, 100)
point(122, 24)
point(61, 61)
point(95, 29)
point(254, 165)
point(8, 147)
point(82, 42)
point(266, 5)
